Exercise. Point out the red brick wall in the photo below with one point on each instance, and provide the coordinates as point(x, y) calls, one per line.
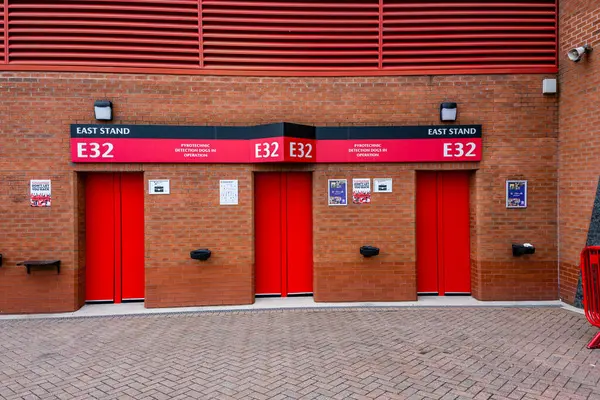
point(520, 131)
point(35, 233)
point(190, 218)
point(579, 127)
point(341, 272)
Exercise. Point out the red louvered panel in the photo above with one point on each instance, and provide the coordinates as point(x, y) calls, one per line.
point(281, 35)
point(115, 33)
point(333, 37)
point(446, 35)
point(2, 33)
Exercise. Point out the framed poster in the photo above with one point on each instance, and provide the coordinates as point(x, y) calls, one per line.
point(361, 190)
point(337, 192)
point(516, 194)
point(40, 192)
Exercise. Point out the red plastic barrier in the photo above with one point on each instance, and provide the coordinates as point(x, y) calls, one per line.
point(590, 278)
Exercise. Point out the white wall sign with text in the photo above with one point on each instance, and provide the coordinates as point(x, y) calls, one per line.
point(382, 185)
point(159, 186)
point(228, 191)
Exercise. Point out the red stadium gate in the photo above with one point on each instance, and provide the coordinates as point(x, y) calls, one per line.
point(114, 237)
point(443, 249)
point(283, 233)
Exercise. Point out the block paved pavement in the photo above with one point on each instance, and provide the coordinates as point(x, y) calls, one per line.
point(356, 353)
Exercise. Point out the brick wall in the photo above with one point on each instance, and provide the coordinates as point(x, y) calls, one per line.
point(190, 218)
point(520, 132)
point(579, 127)
point(341, 272)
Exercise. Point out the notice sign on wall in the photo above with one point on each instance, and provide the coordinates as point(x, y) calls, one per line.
point(159, 186)
point(337, 192)
point(516, 194)
point(361, 191)
point(382, 185)
point(40, 193)
point(228, 190)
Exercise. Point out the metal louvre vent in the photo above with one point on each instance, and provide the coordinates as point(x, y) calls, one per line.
point(272, 34)
point(123, 33)
point(2, 59)
point(271, 37)
point(446, 35)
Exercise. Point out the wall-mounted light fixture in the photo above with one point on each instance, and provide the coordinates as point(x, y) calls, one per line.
point(577, 53)
point(448, 111)
point(103, 110)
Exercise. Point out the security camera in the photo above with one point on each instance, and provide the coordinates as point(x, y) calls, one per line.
point(578, 52)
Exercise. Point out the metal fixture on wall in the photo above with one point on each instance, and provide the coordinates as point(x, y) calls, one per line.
point(200, 254)
point(576, 54)
point(448, 111)
point(369, 251)
point(519, 249)
point(103, 110)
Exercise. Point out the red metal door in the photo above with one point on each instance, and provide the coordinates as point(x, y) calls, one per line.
point(100, 237)
point(455, 246)
point(299, 233)
point(114, 237)
point(283, 233)
point(427, 247)
point(132, 236)
point(267, 232)
point(443, 241)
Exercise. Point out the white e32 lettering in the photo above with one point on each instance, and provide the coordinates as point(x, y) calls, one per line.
point(266, 150)
point(459, 149)
point(95, 150)
point(300, 150)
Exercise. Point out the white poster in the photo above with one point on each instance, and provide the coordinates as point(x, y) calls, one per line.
point(382, 185)
point(40, 192)
point(361, 190)
point(161, 186)
point(229, 192)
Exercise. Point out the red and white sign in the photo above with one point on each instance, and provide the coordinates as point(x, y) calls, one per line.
point(422, 146)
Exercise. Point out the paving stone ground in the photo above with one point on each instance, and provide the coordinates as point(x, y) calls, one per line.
point(367, 353)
